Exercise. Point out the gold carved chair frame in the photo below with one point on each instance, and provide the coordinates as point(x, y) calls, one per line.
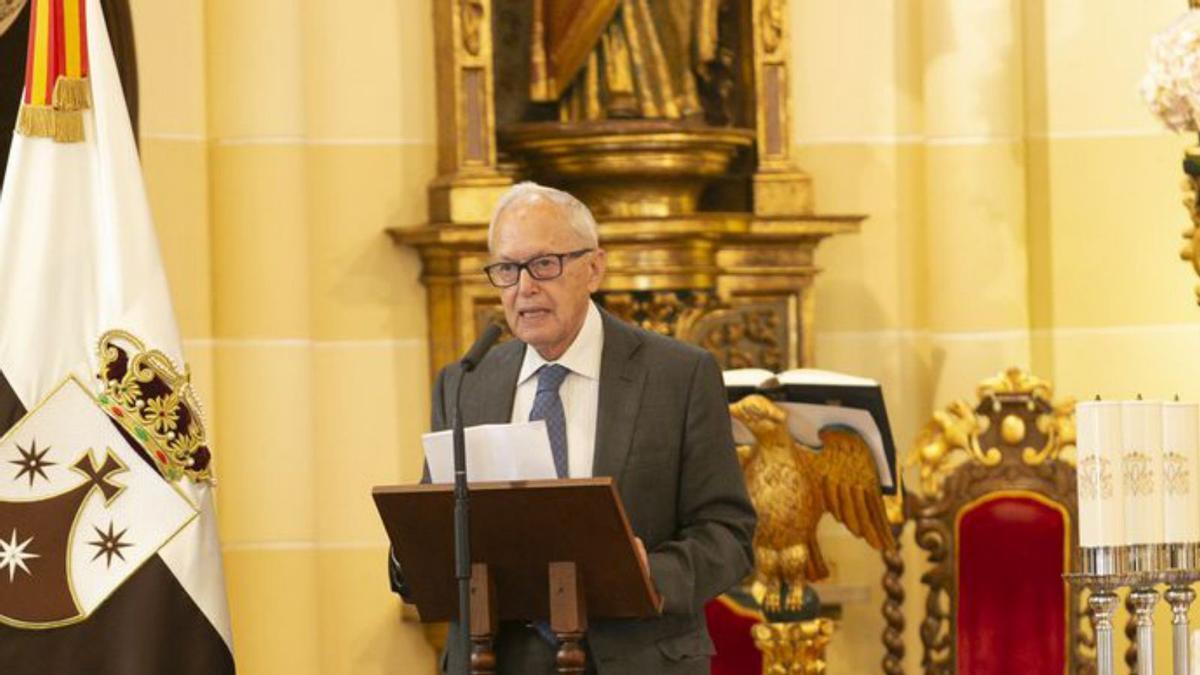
point(1014, 441)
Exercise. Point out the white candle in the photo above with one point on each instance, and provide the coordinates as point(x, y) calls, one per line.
point(1141, 465)
point(1180, 479)
point(1098, 475)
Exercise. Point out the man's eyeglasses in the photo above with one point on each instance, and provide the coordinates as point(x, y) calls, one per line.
point(543, 268)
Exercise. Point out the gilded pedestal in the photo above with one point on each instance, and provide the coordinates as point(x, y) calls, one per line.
point(796, 648)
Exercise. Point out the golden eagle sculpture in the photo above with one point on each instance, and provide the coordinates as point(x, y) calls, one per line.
point(793, 486)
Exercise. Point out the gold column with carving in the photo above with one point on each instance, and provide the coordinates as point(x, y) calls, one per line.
point(780, 186)
point(468, 182)
point(1191, 188)
point(1174, 87)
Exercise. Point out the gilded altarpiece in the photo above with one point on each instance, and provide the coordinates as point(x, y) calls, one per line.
point(671, 119)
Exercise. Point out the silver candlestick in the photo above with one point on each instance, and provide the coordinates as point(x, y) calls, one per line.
point(1103, 604)
point(1104, 574)
point(1180, 598)
point(1144, 599)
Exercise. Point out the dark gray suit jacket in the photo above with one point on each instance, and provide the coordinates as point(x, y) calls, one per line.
point(663, 434)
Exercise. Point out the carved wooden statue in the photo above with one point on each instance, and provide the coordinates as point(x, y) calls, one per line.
point(793, 486)
point(623, 59)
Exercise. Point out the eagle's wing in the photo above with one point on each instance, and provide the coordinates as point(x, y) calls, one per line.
point(850, 486)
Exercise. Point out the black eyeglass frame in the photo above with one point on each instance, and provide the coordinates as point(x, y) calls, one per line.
point(525, 265)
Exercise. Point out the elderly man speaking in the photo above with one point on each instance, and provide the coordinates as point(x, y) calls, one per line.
point(618, 401)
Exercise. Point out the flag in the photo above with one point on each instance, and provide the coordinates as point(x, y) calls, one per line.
point(109, 558)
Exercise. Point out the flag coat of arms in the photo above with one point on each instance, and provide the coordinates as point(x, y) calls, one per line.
point(109, 558)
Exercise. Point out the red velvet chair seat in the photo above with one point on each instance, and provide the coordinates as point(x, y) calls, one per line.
point(729, 625)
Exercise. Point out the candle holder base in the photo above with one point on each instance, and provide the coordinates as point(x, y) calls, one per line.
point(1177, 569)
point(1144, 558)
point(1180, 557)
point(1101, 560)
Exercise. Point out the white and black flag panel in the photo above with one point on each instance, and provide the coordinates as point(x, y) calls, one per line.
point(109, 558)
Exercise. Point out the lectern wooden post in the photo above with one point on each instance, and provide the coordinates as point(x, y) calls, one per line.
point(559, 551)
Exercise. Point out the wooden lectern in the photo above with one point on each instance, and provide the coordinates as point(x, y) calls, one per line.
point(560, 550)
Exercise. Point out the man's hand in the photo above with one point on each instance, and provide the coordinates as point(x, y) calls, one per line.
point(645, 561)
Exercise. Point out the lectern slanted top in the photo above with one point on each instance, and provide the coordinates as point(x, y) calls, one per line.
point(518, 529)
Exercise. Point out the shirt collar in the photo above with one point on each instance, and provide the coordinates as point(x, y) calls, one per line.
point(581, 358)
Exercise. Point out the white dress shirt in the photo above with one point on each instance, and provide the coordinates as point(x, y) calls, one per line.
point(580, 391)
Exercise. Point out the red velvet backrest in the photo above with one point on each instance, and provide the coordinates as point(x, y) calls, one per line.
point(1011, 550)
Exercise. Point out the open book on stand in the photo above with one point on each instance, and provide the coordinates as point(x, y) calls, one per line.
point(817, 399)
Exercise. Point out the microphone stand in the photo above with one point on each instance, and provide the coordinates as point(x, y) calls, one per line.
point(462, 497)
point(462, 529)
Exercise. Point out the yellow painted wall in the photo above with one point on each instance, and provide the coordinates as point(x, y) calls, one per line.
point(280, 138)
point(1024, 210)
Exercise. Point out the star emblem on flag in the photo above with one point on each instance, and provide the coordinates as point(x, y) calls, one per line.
point(109, 544)
point(32, 463)
point(70, 542)
point(14, 555)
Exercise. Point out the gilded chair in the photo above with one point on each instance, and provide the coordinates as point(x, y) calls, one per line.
point(995, 510)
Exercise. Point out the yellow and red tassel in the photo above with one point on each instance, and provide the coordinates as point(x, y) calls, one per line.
point(57, 89)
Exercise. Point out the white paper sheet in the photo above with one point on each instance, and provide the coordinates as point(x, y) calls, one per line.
point(494, 452)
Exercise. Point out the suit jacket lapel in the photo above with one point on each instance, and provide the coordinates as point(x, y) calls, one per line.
point(488, 398)
point(621, 380)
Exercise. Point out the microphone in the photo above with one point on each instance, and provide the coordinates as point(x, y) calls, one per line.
point(481, 347)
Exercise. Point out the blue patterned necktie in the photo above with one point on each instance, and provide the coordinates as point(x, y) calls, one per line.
point(548, 406)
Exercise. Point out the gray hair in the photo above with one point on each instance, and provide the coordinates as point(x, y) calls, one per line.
point(579, 217)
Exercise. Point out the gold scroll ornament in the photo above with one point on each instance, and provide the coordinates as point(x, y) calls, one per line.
point(961, 433)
